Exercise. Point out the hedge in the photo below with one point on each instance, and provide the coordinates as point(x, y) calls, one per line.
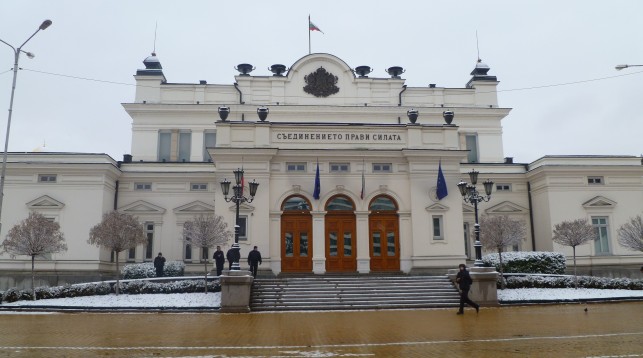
point(533, 281)
point(541, 262)
point(147, 270)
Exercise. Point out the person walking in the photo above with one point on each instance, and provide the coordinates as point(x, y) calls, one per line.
point(464, 281)
point(232, 255)
point(219, 260)
point(159, 262)
point(254, 260)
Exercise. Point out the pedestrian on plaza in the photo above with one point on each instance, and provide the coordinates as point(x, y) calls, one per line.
point(232, 255)
point(219, 260)
point(159, 262)
point(254, 260)
point(464, 281)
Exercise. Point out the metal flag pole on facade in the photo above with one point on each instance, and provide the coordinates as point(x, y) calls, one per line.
point(311, 27)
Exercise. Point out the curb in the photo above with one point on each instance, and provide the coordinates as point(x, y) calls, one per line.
point(577, 300)
point(64, 309)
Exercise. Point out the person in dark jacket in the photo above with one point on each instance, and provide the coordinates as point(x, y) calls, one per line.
point(159, 262)
point(219, 260)
point(254, 260)
point(233, 255)
point(464, 281)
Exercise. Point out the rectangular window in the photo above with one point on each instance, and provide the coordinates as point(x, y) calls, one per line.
point(187, 254)
point(205, 254)
point(131, 254)
point(143, 186)
point(601, 243)
point(437, 227)
point(303, 244)
point(471, 141)
point(209, 141)
point(198, 186)
point(382, 168)
point(185, 144)
point(288, 240)
point(466, 239)
point(503, 187)
point(595, 180)
point(296, 167)
point(47, 178)
point(340, 167)
point(149, 247)
point(243, 227)
point(165, 146)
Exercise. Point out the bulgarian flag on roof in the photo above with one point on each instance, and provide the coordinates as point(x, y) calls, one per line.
point(313, 27)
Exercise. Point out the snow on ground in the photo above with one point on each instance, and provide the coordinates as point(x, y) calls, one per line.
point(211, 299)
point(558, 294)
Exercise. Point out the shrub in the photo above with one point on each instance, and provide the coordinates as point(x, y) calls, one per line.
point(532, 281)
point(188, 286)
point(11, 295)
point(146, 269)
point(541, 262)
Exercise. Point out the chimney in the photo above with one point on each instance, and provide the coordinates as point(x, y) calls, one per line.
point(127, 158)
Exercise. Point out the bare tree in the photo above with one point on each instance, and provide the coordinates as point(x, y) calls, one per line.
point(34, 236)
point(630, 235)
point(574, 233)
point(498, 232)
point(117, 232)
point(206, 232)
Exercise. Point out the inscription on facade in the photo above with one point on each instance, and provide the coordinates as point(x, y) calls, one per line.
point(339, 137)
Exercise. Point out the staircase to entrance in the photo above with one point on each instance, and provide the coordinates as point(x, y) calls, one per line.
point(352, 293)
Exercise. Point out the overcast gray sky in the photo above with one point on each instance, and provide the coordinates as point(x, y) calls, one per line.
point(528, 44)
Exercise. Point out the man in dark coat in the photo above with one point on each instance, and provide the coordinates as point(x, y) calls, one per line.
point(219, 260)
point(464, 281)
point(233, 255)
point(159, 262)
point(254, 260)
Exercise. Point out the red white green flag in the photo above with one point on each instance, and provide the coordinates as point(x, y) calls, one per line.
point(313, 27)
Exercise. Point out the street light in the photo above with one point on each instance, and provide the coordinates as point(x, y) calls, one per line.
point(471, 195)
point(620, 67)
point(16, 55)
point(238, 197)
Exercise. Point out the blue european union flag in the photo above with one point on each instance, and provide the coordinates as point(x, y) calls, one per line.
point(441, 191)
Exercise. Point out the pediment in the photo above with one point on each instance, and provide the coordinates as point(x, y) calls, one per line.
point(467, 209)
point(437, 207)
point(141, 207)
point(243, 207)
point(599, 202)
point(45, 202)
point(195, 207)
point(506, 207)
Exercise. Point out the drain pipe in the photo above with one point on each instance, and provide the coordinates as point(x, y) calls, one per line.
point(116, 196)
point(400, 96)
point(236, 86)
point(531, 217)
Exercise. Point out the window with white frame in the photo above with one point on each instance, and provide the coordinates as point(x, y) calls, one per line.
point(205, 254)
point(601, 242)
point(382, 167)
point(503, 187)
point(209, 141)
point(165, 146)
point(131, 254)
point(185, 146)
point(340, 167)
point(296, 167)
point(437, 227)
point(471, 142)
point(198, 186)
point(179, 151)
point(149, 245)
point(47, 178)
point(595, 180)
point(143, 186)
point(187, 250)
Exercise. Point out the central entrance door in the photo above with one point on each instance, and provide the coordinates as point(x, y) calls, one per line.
point(384, 234)
point(296, 235)
point(341, 247)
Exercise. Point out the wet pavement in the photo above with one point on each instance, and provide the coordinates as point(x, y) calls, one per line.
point(605, 330)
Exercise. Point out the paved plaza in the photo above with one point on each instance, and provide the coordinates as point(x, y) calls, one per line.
point(604, 330)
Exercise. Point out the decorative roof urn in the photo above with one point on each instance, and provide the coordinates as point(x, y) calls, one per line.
point(413, 115)
point(395, 71)
point(277, 70)
point(448, 116)
point(363, 71)
point(262, 112)
point(223, 112)
point(244, 69)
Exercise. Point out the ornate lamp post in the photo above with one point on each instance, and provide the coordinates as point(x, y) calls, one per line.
point(238, 198)
point(16, 56)
point(471, 195)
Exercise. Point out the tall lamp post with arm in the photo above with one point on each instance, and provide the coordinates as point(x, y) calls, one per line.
point(16, 55)
point(471, 195)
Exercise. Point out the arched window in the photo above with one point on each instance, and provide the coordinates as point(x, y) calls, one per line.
point(296, 203)
point(340, 203)
point(383, 203)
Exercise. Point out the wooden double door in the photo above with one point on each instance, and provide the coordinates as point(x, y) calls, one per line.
point(384, 242)
point(297, 243)
point(341, 245)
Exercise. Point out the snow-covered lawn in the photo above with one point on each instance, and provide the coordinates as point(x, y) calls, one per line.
point(211, 299)
point(560, 294)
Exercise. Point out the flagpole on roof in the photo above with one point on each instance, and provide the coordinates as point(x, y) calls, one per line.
point(309, 51)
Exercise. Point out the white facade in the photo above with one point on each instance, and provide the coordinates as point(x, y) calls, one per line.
point(181, 150)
